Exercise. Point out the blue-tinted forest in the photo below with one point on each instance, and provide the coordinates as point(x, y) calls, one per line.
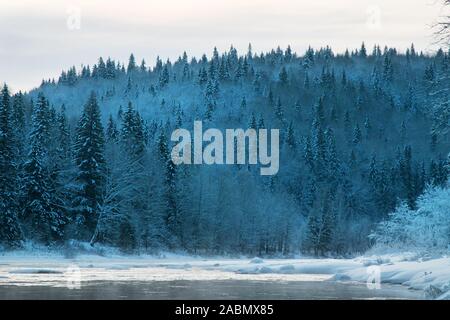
point(86, 157)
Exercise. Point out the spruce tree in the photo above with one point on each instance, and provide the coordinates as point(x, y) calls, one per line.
point(170, 204)
point(18, 123)
point(112, 133)
point(100, 69)
point(252, 123)
point(110, 69)
point(313, 233)
point(363, 51)
point(328, 223)
point(44, 222)
point(388, 70)
point(63, 168)
point(223, 70)
point(332, 156)
point(64, 141)
point(319, 142)
point(357, 135)
point(283, 76)
point(202, 76)
point(11, 234)
point(290, 137)
point(132, 134)
point(321, 226)
point(164, 76)
point(407, 177)
point(279, 111)
point(131, 64)
point(88, 149)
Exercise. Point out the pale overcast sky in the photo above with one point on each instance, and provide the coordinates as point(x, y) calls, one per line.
point(39, 38)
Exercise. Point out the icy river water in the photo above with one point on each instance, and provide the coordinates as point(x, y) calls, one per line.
point(141, 278)
point(224, 289)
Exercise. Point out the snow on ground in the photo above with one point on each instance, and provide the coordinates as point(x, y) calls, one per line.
point(46, 268)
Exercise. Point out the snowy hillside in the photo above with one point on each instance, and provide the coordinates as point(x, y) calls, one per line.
point(363, 134)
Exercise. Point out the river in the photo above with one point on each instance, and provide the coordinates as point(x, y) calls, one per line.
point(223, 289)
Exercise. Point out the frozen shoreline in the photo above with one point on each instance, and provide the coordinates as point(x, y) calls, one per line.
point(432, 276)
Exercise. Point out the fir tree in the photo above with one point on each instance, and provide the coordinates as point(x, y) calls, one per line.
point(164, 76)
point(143, 67)
point(88, 148)
point(357, 135)
point(202, 76)
point(333, 165)
point(112, 133)
point(10, 232)
point(171, 208)
point(101, 69)
point(252, 123)
point(283, 76)
point(363, 51)
point(388, 70)
point(132, 134)
point(279, 111)
point(223, 70)
point(64, 140)
point(18, 123)
point(407, 177)
point(43, 219)
point(243, 105)
point(131, 64)
point(290, 137)
point(63, 168)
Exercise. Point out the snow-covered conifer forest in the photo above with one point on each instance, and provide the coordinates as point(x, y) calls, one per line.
point(364, 139)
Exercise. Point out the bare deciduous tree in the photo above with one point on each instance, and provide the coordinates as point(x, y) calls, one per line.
point(442, 26)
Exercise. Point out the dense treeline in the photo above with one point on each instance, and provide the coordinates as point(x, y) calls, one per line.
point(87, 157)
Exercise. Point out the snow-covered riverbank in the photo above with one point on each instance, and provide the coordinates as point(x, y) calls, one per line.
point(432, 276)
